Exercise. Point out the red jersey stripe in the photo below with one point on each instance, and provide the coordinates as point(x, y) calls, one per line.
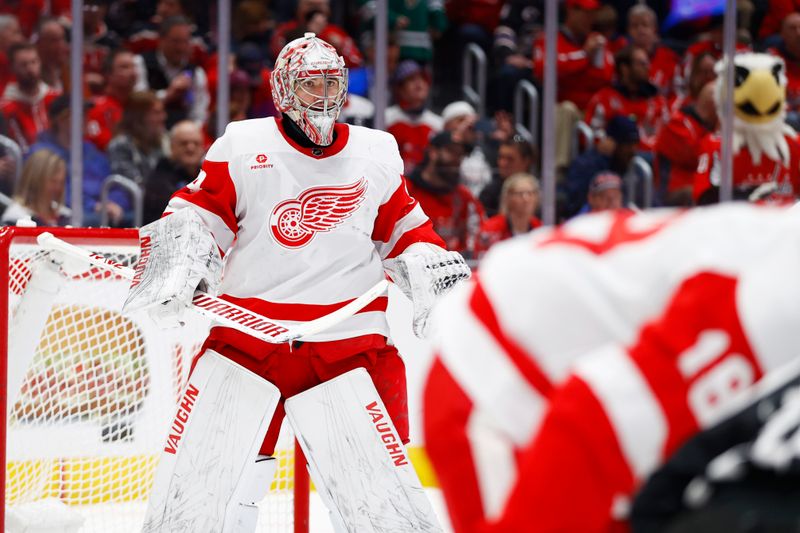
point(300, 312)
point(398, 206)
point(483, 311)
point(422, 233)
point(215, 193)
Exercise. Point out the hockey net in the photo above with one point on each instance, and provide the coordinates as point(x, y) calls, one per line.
point(89, 394)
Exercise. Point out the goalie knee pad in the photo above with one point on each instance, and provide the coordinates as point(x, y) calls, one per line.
point(356, 458)
point(213, 441)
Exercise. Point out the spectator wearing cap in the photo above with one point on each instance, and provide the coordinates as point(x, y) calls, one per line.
point(631, 95)
point(515, 155)
point(24, 102)
point(409, 119)
point(455, 213)
point(519, 201)
point(39, 195)
point(170, 72)
point(173, 172)
point(53, 49)
point(141, 138)
point(96, 168)
point(677, 148)
point(10, 34)
point(414, 24)
point(105, 114)
point(664, 62)
point(459, 119)
point(605, 192)
point(613, 153)
point(330, 33)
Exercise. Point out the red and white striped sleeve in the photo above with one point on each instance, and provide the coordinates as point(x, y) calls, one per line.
point(401, 222)
point(212, 195)
point(471, 341)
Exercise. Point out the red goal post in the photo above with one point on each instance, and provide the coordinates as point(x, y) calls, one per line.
point(85, 392)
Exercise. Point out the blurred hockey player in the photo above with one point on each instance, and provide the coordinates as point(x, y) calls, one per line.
point(308, 214)
point(611, 341)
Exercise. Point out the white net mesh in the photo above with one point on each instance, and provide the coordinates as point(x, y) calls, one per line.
point(91, 394)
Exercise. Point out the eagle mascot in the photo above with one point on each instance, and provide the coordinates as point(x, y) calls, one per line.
point(766, 150)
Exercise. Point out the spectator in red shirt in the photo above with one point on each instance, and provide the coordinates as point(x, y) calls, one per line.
point(53, 48)
point(26, 12)
point(789, 50)
point(120, 73)
point(519, 200)
point(10, 34)
point(777, 13)
point(701, 72)
point(711, 42)
point(456, 214)
point(584, 63)
point(330, 33)
point(606, 21)
point(98, 42)
point(409, 119)
point(678, 147)
point(632, 95)
point(24, 102)
point(664, 63)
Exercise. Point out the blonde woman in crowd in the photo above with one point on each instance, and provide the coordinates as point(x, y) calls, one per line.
point(519, 200)
point(40, 192)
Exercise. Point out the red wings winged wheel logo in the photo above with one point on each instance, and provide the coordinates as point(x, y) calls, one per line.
point(294, 222)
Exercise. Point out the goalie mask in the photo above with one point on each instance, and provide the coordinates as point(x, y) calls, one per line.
point(309, 85)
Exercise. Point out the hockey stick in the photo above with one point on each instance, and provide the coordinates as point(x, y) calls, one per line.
point(225, 313)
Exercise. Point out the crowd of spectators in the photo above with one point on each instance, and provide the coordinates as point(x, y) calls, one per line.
point(150, 72)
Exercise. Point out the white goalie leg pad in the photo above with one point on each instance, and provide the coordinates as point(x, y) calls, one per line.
point(356, 459)
point(208, 463)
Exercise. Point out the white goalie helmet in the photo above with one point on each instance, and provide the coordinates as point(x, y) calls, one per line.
point(309, 85)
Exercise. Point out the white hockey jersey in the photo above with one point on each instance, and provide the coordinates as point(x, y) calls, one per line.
point(304, 231)
point(541, 303)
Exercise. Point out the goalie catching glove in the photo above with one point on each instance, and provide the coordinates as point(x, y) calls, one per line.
point(425, 272)
point(178, 257)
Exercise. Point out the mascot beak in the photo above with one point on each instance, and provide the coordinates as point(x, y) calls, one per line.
point(759, 97)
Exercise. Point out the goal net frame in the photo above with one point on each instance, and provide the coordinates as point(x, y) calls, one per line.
point(19, 252)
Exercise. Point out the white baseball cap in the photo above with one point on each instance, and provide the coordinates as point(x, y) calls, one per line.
point(457, 110)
